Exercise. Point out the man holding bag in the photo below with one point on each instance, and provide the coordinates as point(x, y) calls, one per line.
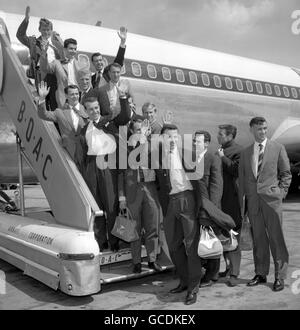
point(137, 191)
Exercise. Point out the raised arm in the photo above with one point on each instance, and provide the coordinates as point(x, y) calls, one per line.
point(21, 33)
point(121, 51)
point(43, 113)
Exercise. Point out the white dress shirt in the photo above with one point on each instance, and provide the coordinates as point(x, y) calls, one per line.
point(178, 177)
point(256, 154)
point(99, 143)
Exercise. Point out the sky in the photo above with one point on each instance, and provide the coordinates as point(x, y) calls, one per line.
point(266, 30)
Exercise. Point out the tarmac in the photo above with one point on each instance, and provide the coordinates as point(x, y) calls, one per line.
point(20, 292)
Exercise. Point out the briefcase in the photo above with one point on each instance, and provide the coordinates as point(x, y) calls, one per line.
point(125, 227)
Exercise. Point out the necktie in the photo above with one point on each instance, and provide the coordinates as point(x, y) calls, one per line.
point(140, 170)
point(98, 78)
point(260, 158)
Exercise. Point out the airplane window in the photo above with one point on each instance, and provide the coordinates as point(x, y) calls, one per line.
point(249, 86)
point(136, 69)
point(295, 93)
point(217, 81)
point(166, 73)
point(228, 83)
point(180, 75)
point(205, 79)
point(259, 88)
point(151, 71)
point(239, 84)
point(268, 89)
point(277, 90)
point(193, 77)
point(286, 91)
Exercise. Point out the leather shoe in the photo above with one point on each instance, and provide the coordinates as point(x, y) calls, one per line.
point(115, 247)
point(103, 246)
point(179, 288)
point(257, 279)
point(155, 266)
point(225, 273)
point(190, 298)
point(137, 268)
point(206, 283)
point(233, 281)
point(278, 285)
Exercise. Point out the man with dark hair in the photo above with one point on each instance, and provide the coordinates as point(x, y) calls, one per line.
point(211, 186)
point(66, 70)
point(52, 45)
point(229, 154)
point(109, 97)
point(137, 191)
point(149, 111)
point(264, 180)
point(94, 142)
point(70, 119)
point(180, 223)
point(98, 62)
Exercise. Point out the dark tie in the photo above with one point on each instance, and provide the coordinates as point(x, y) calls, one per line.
point(260, 158)
point(98, 78)
point(141, 172)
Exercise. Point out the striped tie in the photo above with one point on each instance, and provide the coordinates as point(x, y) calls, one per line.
point(260, 158)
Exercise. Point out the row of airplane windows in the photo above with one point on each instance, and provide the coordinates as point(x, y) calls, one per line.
point(215, 81)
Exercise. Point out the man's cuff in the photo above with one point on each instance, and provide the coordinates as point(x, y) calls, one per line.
point(41, 101)
point(122, 199)
point(122, 45)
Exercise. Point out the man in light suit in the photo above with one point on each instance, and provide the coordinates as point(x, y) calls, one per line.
point(264, 180)
point(70, 119)
point(65, 70)
point(137, 191)
point(109, 94)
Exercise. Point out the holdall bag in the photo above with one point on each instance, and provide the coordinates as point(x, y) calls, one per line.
point(125, 227)
point(209, 245)
point(246, 239)
point(231, 243)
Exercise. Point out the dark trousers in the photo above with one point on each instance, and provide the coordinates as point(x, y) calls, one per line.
point(103, 186)
point(51, 81)
point(212, 267)
point(267, 233)
point(233, 258)
point(145, 212)
point(182, 235)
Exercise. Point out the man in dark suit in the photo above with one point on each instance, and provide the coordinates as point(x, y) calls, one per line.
point(137, 191)
point(211, 187)
point(108, 97)
point(53, 45)
point(96, 143)
point(180, 223)
point(70, 120)
point(229, 154)
point(98, 80)
point(264, 179)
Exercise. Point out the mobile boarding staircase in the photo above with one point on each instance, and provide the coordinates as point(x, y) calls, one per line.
point(61, 253)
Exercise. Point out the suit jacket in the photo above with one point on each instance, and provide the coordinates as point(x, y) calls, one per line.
point(60, 69)
point(274, 178)
point(230, 165)
point(106, 113)
point(64, 120)
point(34, 45)
point(119, 59)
